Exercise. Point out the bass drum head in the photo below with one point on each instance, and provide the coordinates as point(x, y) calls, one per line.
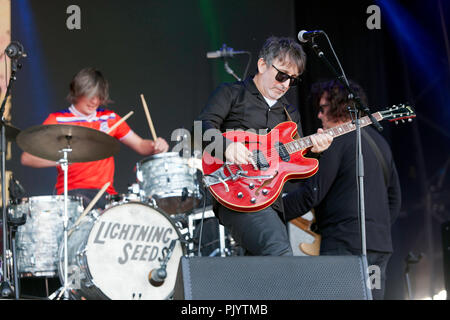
point(124, 246)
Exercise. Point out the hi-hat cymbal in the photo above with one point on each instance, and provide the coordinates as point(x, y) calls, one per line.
point(11, 132)
point(46, 141)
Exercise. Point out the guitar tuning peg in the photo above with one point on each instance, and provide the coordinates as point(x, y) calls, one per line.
point(409, 120)
point(403, 121)
point(396, 122)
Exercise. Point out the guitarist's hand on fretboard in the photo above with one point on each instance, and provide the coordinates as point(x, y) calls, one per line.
point(320, 141)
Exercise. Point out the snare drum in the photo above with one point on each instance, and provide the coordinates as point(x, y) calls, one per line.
point(170, 181)
point(38, 240)
point(111, 255)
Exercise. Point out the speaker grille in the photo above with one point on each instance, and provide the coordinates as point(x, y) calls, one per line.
point(271, 278)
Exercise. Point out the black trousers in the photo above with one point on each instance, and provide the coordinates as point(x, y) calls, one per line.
point(260, 233)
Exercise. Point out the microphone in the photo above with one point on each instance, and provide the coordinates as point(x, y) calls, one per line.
point(305, 36)
point(16, 190)
point(156, 277)
point(224, 52)
point(15, 50)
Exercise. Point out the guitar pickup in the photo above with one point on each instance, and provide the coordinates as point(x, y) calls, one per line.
point(261, 161)
point(282, 152)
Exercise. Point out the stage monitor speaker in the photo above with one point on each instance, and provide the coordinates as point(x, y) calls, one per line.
point(446, 255)
point(272, 278)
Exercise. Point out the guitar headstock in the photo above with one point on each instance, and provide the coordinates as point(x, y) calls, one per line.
point(399, 112)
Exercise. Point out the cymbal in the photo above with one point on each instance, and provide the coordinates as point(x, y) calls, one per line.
point(46, 141)
point(11, 132)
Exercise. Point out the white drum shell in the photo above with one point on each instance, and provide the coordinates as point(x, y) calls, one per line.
point(38, 240)
point(164, 176)
point(111, 256)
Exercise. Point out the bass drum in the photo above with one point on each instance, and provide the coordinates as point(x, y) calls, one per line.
point(111, 255)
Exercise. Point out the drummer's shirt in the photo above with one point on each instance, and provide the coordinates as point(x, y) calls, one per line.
point(94, 174)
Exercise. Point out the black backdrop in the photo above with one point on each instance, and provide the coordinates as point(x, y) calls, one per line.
point(158, 48)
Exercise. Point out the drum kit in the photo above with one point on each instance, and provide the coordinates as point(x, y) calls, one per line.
point(128, 250)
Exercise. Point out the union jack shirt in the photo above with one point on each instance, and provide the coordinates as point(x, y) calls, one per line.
point(94, 174)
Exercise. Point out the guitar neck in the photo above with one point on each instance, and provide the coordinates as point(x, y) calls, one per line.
point(303, 143)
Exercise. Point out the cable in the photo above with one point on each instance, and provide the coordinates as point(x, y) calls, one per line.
point(201, 223)
point(248, 64)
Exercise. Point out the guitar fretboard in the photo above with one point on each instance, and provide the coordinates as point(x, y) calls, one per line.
point(303, 143)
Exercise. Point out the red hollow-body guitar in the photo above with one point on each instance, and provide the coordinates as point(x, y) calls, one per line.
point(277, 158)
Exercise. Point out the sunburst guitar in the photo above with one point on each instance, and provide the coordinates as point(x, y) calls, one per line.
point(277, 158)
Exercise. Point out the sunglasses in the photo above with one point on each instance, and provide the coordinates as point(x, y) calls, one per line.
point(282, 77)
point(322, 107)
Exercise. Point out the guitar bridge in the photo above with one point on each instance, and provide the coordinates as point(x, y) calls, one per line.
point(219, 176)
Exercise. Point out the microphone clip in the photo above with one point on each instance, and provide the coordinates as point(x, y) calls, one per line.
point(157, 276)
point(224, 52)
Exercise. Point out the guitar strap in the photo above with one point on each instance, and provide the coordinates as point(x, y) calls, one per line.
point(297, 136)
point(378, 154)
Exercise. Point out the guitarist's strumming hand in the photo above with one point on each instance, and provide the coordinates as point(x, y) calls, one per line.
point(321, 141)
point(237, 153)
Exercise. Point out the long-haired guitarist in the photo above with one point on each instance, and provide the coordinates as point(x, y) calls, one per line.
point(332, 191)
point(258, 103)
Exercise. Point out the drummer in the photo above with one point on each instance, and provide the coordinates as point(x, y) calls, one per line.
point(89, 92)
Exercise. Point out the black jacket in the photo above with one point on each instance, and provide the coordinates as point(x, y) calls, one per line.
point(332, 193)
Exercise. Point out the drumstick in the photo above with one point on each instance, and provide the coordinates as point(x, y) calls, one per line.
point(149, 119)
point(90, 205)
point(118, 123)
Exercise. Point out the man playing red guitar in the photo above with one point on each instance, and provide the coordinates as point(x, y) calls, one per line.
point(257, 103)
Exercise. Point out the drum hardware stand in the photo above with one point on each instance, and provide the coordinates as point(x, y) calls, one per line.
point(15, 52)
point(157, 277)
point(14, 223)
point(200, 216)
point(64, 290)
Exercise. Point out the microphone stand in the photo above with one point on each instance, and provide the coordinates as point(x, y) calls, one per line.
point(5, 287)
point(228, 52)
point(359, 160)
point(343, 79)
point(229, 70)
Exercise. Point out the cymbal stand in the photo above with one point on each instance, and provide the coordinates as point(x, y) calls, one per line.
point(65, 167)
point(5, 287)
point(13, 224)
point(6, 290)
